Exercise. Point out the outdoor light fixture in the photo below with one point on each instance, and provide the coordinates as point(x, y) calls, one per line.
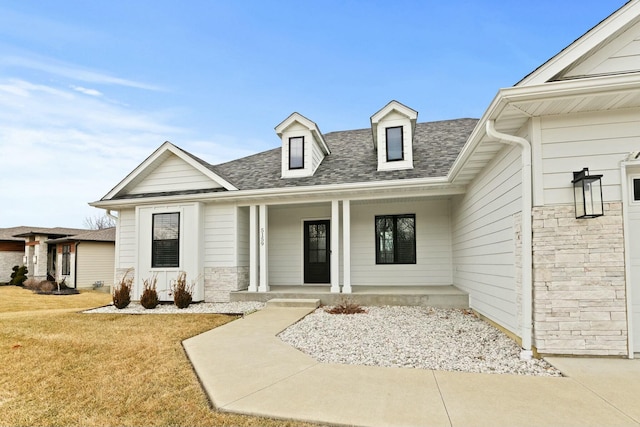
point(587, 192)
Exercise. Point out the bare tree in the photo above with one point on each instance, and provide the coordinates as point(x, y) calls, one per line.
point(99, 222)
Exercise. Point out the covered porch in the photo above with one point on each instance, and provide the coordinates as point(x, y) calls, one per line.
point(447, 296)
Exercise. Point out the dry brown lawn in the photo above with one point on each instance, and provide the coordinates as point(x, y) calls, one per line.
point(61, 367)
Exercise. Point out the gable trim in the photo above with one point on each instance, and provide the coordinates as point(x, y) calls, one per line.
point(164, 148)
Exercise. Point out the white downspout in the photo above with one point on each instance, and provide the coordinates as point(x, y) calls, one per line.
point(112, 216)
point(526, 233)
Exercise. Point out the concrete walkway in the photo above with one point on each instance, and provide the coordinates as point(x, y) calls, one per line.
point(246, 369)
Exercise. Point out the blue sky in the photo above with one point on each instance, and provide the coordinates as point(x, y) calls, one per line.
point(88, 89)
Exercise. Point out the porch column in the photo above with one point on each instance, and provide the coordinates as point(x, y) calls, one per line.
point(335, 246)
point(264, 255)
point(253, 248)
point(346, 246)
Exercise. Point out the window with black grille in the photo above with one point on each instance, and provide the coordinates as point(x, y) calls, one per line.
point(396, 239)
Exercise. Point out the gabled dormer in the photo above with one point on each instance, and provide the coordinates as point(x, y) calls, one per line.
point(393, 128)
point(303, 146)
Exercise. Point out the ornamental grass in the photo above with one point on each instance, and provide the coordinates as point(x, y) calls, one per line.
point(62, 367)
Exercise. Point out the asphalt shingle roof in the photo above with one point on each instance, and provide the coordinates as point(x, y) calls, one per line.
point(353, 159)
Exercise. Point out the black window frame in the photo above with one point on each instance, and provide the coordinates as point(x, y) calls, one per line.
point(158, 243)
point(386, 134)
point(635, 184)
point(301, 138)
point(381, 258)
point(66, 260)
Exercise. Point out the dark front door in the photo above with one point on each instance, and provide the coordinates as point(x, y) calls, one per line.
point(317, 268)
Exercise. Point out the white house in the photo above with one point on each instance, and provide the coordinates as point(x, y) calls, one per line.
point(485, 205)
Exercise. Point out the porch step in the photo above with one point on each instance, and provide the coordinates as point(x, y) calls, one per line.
point(294, 302)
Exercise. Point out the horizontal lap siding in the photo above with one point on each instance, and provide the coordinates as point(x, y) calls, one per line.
point(598, 141)
point(126, 237)
point(220, 236)
point(174, 174)
point(243, 237)
point(483, 239)
point(433, 245)
point(95, 262)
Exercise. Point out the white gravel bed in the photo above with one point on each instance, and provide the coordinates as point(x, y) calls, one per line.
point(240, 307)
point(411, 337)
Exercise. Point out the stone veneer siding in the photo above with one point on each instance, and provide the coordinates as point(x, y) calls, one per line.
point(578, 282)
point(220, 281)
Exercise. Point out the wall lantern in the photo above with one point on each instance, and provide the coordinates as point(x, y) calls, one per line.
point(587, 192)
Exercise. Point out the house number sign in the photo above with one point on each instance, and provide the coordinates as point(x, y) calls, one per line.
point(262, 237)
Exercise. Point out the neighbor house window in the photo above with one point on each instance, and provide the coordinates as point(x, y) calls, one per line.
point(296, 152)
point(395, 146)
point(66, 260)
point(396, 239)
point(165, 249)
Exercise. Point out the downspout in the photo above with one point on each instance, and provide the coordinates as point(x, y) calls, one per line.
point(526, 232)
point(112, 216)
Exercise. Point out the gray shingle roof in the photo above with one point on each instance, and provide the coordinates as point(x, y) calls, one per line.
point(353, 159)
point(104, 235)
point(55, 231)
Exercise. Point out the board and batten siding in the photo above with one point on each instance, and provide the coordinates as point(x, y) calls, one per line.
point(173, 174)
point(433, 244)
point(95, 262)
point(484, 254)
point(126, 239)
point(598, 141)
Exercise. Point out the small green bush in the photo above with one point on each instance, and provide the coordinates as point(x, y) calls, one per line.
point(19, 275)
point(182, 293)
point(122, 292)
point(149, 298)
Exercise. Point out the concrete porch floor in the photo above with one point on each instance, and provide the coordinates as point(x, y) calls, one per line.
point(432, 296)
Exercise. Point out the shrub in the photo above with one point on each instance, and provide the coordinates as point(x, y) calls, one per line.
point(182, 293)
point(32, 284)
point(19, 275)
point(122, 292)
point(46, 286)
point(346, 307)
point(149, 298)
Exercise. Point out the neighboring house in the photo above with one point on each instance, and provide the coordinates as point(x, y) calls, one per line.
point(487, 206)
point(55, 252)
point(86, 260)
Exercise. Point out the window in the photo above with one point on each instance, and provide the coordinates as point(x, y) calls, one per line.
point(395, 145)
point(66, 260)
point(396, 239)
point(165, 248)
point(636, 189)
point(296, 152)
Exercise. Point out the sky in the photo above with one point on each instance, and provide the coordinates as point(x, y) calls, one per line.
point(89, 89)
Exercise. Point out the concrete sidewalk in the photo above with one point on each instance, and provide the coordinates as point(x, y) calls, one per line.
point(246, 369)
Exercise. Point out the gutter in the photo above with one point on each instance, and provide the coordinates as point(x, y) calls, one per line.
point(526, 232)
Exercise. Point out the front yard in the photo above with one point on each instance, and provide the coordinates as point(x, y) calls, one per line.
point(61, 367)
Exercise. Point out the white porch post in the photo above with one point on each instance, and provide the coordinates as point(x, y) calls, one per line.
point(346, 246)
point(263, 244)
point(335, 246)
point(253, 248)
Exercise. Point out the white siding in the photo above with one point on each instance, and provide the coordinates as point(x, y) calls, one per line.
point(173, 174)
point(220, 235)
point(598, 141)
point(286, 241)
point(126, 239)
point(95, 262)
point(433, 244)
point(316, 155)
point(243, 236)
point(484, 239)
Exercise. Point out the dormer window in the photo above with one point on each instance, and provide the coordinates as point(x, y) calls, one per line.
point(395, 145)
point(296, 152)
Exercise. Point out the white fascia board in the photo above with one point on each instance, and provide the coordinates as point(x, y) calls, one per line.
point(542, 92)
point(167, 146)
point(424, 186)
point(588, 41)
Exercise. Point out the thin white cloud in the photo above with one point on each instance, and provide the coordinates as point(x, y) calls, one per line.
point(86, 91)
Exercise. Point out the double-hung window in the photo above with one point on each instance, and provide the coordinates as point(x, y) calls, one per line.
point(396, 239)
point(395, 144)
point(66, 260)
point(296, 152)
point(165, 246)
